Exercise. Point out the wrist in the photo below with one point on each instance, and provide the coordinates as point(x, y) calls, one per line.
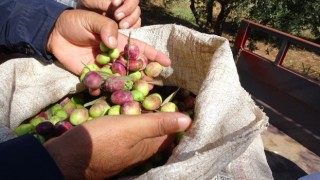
point(69, 163)
point(54, 153)
point(48, 46)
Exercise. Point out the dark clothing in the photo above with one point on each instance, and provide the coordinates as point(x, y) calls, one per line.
point(25, 158)
point(25, 26)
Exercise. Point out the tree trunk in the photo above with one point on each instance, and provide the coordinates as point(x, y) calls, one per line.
point(194, 11)
point(209, 8)
point(218, 27)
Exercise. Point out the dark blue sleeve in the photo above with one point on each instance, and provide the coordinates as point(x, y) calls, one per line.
point(25, 25)
point(25, 158)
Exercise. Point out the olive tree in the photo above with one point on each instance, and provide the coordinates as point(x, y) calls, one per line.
point(292, 16)
point(203, 13)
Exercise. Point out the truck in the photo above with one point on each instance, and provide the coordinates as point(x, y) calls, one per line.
point(290, 99)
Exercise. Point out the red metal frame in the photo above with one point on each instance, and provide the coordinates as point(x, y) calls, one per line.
point(287, 39)
point(298, 86)
point(291, 100)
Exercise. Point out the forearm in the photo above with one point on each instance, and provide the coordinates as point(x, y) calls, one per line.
point(25, 158)
point(25, 25)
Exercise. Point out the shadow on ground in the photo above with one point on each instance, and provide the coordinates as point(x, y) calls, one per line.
point(283, 168)
point(152, 15)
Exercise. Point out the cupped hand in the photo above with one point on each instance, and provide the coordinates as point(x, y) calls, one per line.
point(75, 39)
point(103, 147)
point(125, 12)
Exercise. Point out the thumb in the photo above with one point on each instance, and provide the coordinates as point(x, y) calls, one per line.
point(117, 3)
point(160, 124)
point(106, 27)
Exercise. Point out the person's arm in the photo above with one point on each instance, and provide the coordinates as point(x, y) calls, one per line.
point(25, 25)
point(25, 158)
point(104, 146)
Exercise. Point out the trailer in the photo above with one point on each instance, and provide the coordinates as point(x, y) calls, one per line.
point(289, 98)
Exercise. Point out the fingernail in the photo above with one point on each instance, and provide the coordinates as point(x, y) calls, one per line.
point(125, 25)
point(184, 122)
point(120, 15)
point(112, 41)
point(117, 2)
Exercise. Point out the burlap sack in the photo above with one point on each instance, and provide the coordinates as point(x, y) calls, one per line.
point(224, 141)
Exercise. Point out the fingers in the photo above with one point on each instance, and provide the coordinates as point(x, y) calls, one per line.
point(144, 134)
point(106, 27)
point(131, 21)
point(150, 52)
point(154, 129)
point(154, 55)
point(127, 8)
point(125, 12)
point(137, 24)
point(156, 144)
point(95, 92)
point(117, 2)
point(149, 125)
point(153, 125)
point(128, 14)
point(101, 5)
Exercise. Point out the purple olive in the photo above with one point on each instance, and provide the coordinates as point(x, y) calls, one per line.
point(121, 96)
point(114, 83)
point(135, 65)
point(61, 127)
point(144, 60)
point(133, 51)
point(92, 80)
point(44, 128)
point(189, 101)
point(118, 67)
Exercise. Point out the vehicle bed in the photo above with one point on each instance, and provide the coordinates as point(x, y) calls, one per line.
point(290, 99)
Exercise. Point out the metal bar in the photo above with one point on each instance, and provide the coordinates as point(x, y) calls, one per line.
point(290, 38)
point(241, 37)
point(282, 53)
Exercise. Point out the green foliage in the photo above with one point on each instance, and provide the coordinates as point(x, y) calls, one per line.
point(292, 16)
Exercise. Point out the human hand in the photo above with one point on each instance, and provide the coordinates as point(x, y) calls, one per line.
point(103, 147)
point(75, 39)
point(125, 12)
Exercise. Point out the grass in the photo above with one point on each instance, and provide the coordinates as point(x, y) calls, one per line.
point(183, 13)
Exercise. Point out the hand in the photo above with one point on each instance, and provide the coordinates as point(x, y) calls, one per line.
point(125, 12)
point(75, 39)
point(103, 147)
